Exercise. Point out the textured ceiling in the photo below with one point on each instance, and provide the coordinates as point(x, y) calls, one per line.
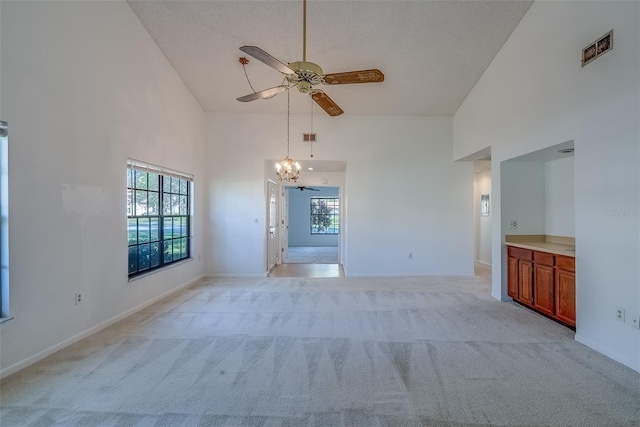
point(431, 52)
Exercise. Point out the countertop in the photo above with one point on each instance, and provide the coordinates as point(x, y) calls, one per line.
point(553, 244)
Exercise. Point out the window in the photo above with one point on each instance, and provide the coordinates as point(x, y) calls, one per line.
point(4, 220)
point(158, 216)
point(325, 215)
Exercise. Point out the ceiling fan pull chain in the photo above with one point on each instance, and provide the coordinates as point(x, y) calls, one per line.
point(311, 140)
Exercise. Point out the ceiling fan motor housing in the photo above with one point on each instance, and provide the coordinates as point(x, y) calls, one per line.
point(307, 75)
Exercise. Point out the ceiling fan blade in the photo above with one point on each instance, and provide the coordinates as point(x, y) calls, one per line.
point(312, 189)
point(326, 103)
point(263, 56)
point(262, 94)
point(349, 77)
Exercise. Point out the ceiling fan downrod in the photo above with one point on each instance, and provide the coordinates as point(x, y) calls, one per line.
point(304, 30)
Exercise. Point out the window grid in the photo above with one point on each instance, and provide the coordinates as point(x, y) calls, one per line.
point(325, 215)
point(158, 220)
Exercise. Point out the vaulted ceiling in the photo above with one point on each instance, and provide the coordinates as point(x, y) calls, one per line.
point(432, 53)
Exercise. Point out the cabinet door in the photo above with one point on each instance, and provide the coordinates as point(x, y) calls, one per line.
point(512, 278)
point(566, 297)
point(543, 290)
point(525, 281)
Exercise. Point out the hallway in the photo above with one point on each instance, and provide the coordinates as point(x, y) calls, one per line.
point(307, 270)
point(310, 261)
point(312, 255)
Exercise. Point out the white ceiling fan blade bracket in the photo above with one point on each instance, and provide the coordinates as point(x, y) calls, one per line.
point(293, 79)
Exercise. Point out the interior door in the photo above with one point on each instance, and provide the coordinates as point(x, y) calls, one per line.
point(272, 229)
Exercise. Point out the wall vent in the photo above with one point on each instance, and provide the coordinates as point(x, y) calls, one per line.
point(598, 48)
point(309, 137)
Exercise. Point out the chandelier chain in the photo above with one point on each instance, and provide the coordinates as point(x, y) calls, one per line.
point(288, 169)
point(288, 118)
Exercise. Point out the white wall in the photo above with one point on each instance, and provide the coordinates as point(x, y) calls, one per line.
point(559, 198)
point(84, 87)
point(300, 217)
point(403, 192)
point(523, 197)
point(482, 185)
point(535, 94)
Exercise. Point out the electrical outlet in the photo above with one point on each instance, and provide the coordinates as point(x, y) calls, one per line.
point(636, 321)
point(513, 224)
point(78, 298)
point(620, 314)
point(410, 255)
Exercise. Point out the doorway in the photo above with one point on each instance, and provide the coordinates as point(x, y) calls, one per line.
point(482, 216)
point(272, 225)
point(313, 217)
point(321, 254)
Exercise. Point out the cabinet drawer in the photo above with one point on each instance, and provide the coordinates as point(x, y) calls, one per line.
point(543, 258)
point(520, 253)
point(565, 263)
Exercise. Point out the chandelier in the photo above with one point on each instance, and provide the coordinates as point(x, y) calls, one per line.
point(288, 169)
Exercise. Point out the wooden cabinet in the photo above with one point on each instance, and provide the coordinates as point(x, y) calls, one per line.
point(512, 278)
point(544, 289)
point(544, 282)
point(566, 290)
point(520, 278)
point(525, 281)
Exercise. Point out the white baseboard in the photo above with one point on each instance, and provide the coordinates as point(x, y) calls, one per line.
point(608, 353)
point(72, 340)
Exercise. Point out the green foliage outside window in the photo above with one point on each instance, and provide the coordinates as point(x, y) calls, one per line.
point(158, 220)
point(325, 215)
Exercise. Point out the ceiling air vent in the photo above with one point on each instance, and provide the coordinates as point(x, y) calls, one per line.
point(309, 137)
point(598, 48)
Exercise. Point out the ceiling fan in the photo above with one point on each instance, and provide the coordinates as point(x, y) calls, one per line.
point(303, 188)
point(306, 75)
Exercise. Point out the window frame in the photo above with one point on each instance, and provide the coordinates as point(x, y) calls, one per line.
point(335, 214)
point(4, 224)
point(149, 254)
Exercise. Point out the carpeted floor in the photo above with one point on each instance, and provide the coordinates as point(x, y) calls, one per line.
point(327, 352)
point(312, 255)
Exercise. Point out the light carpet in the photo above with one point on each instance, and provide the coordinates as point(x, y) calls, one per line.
point(312, 255)
point(327, 352)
